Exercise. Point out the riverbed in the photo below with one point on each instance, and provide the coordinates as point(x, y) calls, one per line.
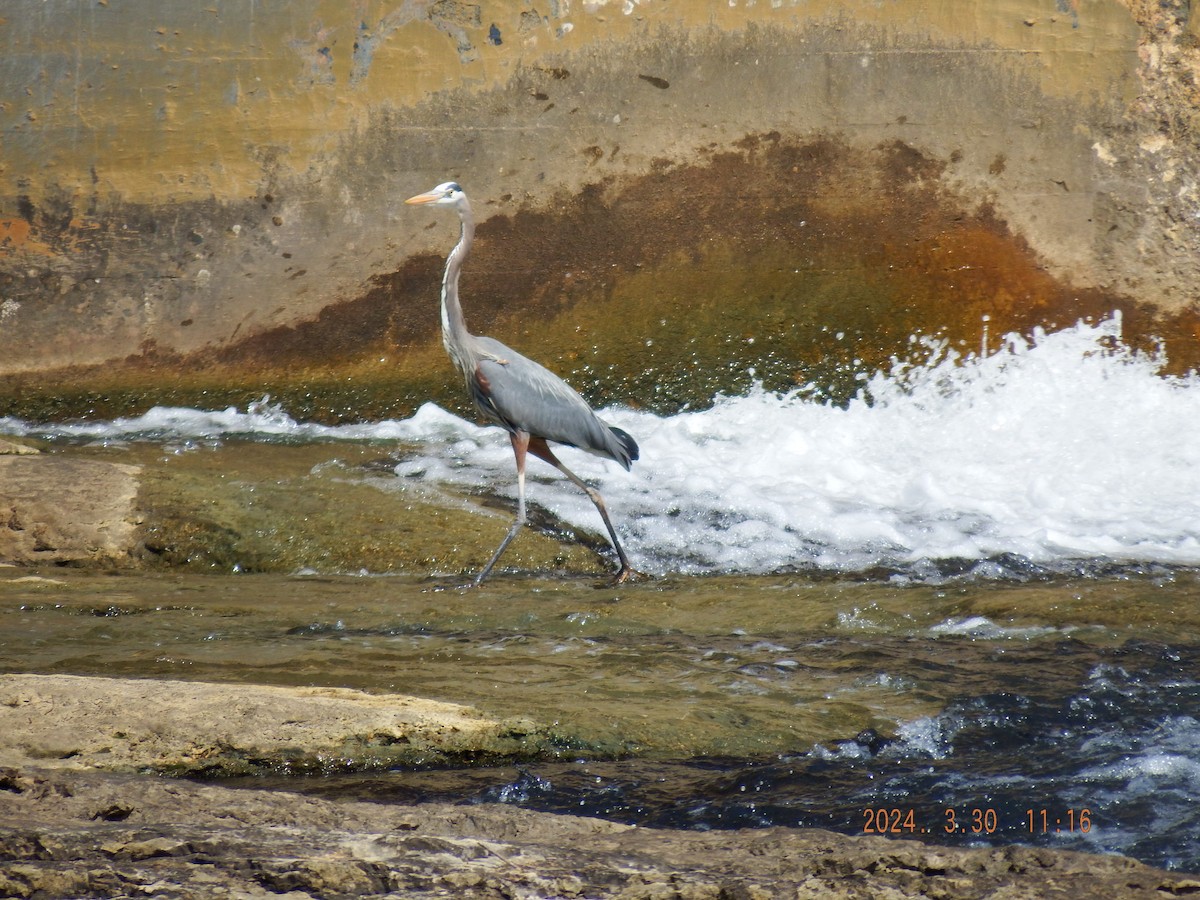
point(959, 608)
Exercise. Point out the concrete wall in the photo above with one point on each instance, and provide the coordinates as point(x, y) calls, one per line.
point(218, 187)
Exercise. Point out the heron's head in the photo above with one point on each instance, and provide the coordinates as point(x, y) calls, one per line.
point(446, 194)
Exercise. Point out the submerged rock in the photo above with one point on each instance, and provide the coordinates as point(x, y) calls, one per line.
point(16, 448)
point(256, 507)
point(78, 820)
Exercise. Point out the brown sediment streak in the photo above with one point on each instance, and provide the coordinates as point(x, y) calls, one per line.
point(665, 289)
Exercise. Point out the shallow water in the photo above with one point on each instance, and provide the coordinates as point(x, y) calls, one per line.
point(712, 702)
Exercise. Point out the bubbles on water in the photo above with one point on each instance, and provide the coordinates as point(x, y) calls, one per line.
point(984, 628)
point(928, 736)
point(525, 787)
point(1068, 447)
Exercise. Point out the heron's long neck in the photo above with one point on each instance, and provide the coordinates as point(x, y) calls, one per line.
point(454, 327)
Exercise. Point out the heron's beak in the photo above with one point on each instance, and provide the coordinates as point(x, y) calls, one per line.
point(423, 198)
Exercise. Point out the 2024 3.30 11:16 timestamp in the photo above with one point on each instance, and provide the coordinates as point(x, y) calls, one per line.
point(974, 820)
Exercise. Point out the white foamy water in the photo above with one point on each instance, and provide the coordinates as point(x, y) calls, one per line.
point(1069, 447)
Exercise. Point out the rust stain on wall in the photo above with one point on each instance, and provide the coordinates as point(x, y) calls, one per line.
point(16, 236)
point(209, 199)
point(665, 289)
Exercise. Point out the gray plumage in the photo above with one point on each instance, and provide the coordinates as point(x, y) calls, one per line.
point(522, 395)
point(510, 390)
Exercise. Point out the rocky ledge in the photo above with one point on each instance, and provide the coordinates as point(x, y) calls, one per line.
point(81, 817)
point(64, 510)
point(87, 834)
point(220, 730)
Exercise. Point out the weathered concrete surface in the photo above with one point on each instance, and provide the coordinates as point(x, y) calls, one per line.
point(139, 725)
point(213, 198)
point(56, 510)
point(79, 834)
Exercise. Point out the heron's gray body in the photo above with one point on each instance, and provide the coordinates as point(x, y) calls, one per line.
point(533, 404)
point(518, 394)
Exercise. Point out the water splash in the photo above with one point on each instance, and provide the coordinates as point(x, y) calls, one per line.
point(1066, 447)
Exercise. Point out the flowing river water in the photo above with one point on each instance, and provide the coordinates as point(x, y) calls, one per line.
point(961, 608)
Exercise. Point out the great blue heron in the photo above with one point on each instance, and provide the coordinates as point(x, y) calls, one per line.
point(529, 401)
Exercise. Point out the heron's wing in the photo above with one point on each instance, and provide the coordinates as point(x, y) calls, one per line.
point(524, 396)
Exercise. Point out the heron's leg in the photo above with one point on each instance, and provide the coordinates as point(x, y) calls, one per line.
point(539, 448)
point(520, 444)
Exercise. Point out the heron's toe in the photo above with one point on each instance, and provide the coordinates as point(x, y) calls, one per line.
point(630, 575)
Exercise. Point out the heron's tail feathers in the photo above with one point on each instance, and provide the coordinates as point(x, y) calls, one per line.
point(629, 446)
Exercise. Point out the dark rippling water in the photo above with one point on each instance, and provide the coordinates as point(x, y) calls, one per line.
point(1112, 764)
point(1106, 761)
point(1059, 712)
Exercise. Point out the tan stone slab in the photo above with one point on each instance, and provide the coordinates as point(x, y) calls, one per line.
point(16, 448)
point(88, 834)
point(132, 724)
point(56, 509)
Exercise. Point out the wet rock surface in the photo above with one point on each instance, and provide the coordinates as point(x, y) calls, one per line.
point(85, 834)
point(278, 509)
point(16, 448)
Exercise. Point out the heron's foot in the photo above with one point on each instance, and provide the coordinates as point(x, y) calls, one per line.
point(630, 575)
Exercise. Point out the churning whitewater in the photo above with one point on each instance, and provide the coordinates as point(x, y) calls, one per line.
point(1063, 451)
